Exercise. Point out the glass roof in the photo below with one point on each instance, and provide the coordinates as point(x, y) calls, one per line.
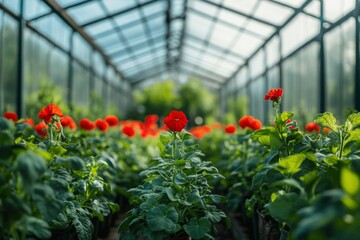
point(211, 39)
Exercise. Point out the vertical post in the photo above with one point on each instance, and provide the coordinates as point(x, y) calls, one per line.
point(322, 77)
point(266, 79)
point(70, 72)
point(20, 75)
point(357, 60)
point(92, 80)
point(281, 70)
point(2, 99)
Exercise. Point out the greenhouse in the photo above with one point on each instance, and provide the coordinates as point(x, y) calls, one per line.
point(180, 119)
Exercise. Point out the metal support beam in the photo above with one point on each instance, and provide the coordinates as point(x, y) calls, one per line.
point(357, 56)
point(137, 81)
point(241, 13)
point(117, 13)
point(70, 71)
point(20, 59)
point(322, 82)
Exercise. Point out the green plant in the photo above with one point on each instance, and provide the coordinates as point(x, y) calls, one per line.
point(176, 197)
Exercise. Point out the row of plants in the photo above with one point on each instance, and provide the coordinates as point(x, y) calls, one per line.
point(289, 183)
point(61, 181)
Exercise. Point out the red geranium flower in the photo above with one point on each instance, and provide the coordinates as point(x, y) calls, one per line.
point(291, 126)
point(230, 129)
point(310, 127)
point(151, 119)
point(30, 122)
point(326, 130)
point(128, 131)
point(11, 116)
point(67, 121)
point(245, 121)
point(102, 125)
point(255, 124)
point(176, 121)
point(112, 120)
point(274, 94)
point(86, 124)
point(40, 128)
point(50, 110)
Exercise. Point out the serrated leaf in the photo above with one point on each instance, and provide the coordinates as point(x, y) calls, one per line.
point(284, 116)
point(163, 217)
point(354, 135)
point(197, 228)
point(292, 163)
point(353, 121)
point(35, 227)
point(349, 181)
point(328, 120)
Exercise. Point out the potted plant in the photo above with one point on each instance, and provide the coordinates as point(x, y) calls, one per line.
point(175, 200)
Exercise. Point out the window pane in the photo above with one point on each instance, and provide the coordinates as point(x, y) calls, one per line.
point(340, 66)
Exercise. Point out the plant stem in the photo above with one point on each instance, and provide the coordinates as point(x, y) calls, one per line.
point(174, 146)
point(341, 143)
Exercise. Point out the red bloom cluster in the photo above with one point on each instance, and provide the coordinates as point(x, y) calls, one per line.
point(326, 130)
point(67, 121)
point(176, 121)
point(151, 119)
point(230, 129)
point(29, 121)
point(86, 124)
point(250, 122)
point(112, 120)
point(200, 132)
point(102, 125)
point(50, 110)
point(11, 116)
point(310, 127)
point(40, 128)
point(274, 94)
point(291, 126)
point(128, 131)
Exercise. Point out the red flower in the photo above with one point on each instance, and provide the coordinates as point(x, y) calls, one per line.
point(102, 125)
point(128, 131)
point(67, 121)
point(151, 119)
point(326, 130)
point(11, 116)
point(291, 126)
point(86, 124)
point(50, 110)
point(310, 127)
point(40, 128)
point(274, 94)
point(176, 121)
point(245, 121)
point(112, 120)
point(230, 129)
point(255, 124)
point(30, 122)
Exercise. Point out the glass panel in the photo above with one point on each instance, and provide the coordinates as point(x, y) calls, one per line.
point(127, 17)
point(65, 3)
point(158, 6)
point(99, 27)
point(58, 71)
point(340, 66)
point(117, 6)
point(99, 64)
point(259, 28)
point(246, 45)
point(313, 8)
point(293, 3)
point(56, 29)
point(297, 32)
point(9, 69)
point(81, 89)
point(198, 26)
point(81, 49)
point(273, 78)
point(223, 35)
point(301, 84)
point(98, 87)
point(257, 103)
point(272, 51)
point(334, 10)
point(257, 64)
point(272, 13)
point(231, 17)
point(204, 7)
point(34, 8)
point(86, 12)
point(241, 78)
point(244, 6)
point(13, 5)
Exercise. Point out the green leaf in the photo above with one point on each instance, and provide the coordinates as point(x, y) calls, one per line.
point(162, 217)
point(275, 141)
point(45, 199)
point(171, 194)
point(83, 225)
point(328, 120)
point(354, 135)
point(284, 116)
point(194, 196)
point(349, 181)
point(30, 167)
point(57, 150)
point(166, 137)
point(290, 182)
point(215, 216)
point(197, 228)
point(284, 206)
point(35, 227)
point(331, 160)
point(292, 163)
point(353, 121)
point(150, 202)
point(180, 178)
